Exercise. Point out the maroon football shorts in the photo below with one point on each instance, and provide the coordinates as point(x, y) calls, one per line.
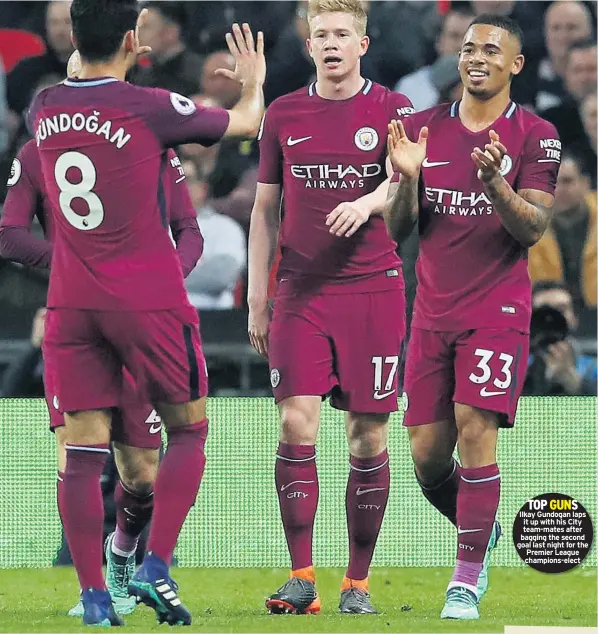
point(85, 351)
point(347, 346)
point(482, 368)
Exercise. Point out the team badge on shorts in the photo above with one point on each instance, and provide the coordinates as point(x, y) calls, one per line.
point(55, 402)
point(274, 377)
point(405, 402)
point(505, 165)
point(366, 139)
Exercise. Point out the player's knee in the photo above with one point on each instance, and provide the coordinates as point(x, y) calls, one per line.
point(141, 481)
point(298, 426)
point(431, 459)
point(367, 435)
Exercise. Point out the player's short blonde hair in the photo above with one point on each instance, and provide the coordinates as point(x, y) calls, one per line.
point(352, 7)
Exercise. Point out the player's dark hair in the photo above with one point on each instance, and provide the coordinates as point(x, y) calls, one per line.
point(543, 286)
point(502, 22)
point(99, 26)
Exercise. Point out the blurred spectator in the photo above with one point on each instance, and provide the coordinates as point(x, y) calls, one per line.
point(26, 75)
point(173, 67)
point(389, 60)
point(586, 148)
point(556, 366)
point(422, 86)
point(24, 376)
point(210, 21)
point(580, 80)
point(212, 283)
point(567, 251)
point(226, 92)
point(564, 23)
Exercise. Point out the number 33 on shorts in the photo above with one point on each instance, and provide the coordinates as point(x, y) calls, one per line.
point(501, 380)
point(491, 376)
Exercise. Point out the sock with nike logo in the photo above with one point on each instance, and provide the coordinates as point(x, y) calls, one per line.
point(133, 512)
point(367, 495)
point(297, 486)
point(477, 502)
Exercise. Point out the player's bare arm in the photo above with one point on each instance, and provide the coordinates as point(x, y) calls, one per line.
point(406, 158)
point(524, 214)
point(250, 72)
point(346, 218)
point(263, 234)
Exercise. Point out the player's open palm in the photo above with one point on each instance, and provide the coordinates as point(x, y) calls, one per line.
point(250, 63)
point(405, 155)
point(258, 326)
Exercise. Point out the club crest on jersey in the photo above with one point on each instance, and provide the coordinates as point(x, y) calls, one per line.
point(505, 165)
point(15, 173)
point(274, 377)
point(366, 139)
point(183, 105)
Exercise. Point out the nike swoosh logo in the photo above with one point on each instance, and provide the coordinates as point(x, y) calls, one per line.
point(484, 392)
point(427, 163)
point(379, 397)
point(154, 430)
point(460, 530)
point(284, 487)
point(291, 141)
point(364, 491)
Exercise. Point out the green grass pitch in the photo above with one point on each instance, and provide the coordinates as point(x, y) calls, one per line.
point(229, 600)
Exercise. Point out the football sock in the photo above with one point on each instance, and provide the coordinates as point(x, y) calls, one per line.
point(83, 511)
point(133, 512)
point(177, 484)
point(297, 486)
point(442, 494)
point(477, 502)
point(366, 498)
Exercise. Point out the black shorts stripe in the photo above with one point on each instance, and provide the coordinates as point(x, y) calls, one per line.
point(193, 367)
point(514, 374)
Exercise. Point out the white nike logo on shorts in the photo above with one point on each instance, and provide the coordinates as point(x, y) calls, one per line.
point(379, 397)
point(284, 487)
point(484, 392)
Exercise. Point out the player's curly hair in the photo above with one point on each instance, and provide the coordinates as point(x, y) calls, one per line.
point(353, 7)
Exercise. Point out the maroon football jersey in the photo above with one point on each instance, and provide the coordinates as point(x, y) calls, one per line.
point(26, 199)
point(101, 144)
point(471, 272)
point(325, 152)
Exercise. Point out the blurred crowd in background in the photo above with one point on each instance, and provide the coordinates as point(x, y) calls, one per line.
point(414, 50)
